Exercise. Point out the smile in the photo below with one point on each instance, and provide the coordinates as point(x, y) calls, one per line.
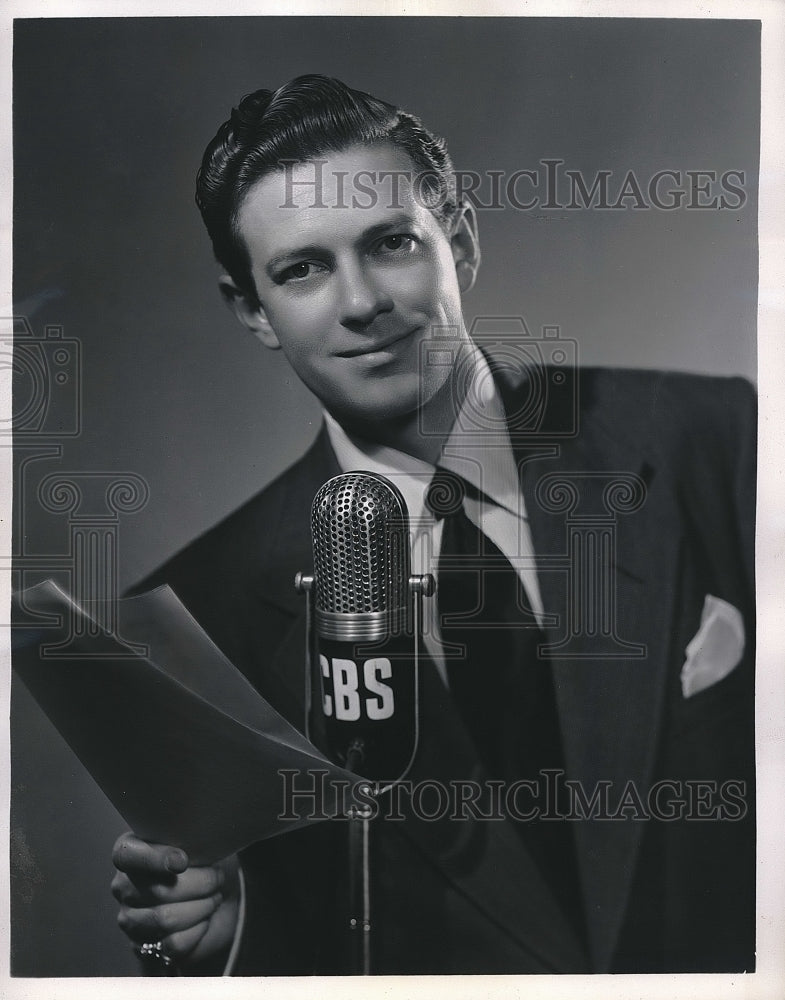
point(377, 348)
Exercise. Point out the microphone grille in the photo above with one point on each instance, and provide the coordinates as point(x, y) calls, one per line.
point(360, 542)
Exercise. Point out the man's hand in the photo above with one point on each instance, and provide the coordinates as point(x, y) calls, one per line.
point(192, 911)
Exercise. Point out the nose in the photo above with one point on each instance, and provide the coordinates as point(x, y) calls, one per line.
point(362, 297)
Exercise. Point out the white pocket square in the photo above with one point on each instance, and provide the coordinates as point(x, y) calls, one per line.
point(716, 649)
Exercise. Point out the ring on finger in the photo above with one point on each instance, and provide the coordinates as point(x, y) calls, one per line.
point(154, 951)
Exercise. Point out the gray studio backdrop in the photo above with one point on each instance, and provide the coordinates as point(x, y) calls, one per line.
point(110, 120)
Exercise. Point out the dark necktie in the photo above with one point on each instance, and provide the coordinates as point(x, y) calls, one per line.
point(500, 684)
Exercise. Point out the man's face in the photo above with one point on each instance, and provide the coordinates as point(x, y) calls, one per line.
point(348, 290)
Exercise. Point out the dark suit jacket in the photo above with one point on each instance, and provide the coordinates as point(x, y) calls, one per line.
point(659, 894)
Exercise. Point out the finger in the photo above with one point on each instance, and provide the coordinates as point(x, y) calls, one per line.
point(157, 922)
point(121, 885)
point(138, 857)
point(182, 943)
point(195, 883)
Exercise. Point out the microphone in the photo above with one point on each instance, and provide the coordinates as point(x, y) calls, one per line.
point(366, 618)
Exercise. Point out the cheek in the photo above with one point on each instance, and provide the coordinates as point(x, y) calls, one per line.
point(301, 330)
point(426, 290)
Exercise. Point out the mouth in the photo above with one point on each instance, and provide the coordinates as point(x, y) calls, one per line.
point(377, 347)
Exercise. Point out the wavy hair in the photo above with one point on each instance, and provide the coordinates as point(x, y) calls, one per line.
point(305, 118)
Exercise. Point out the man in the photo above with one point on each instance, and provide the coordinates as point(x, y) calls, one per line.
point(625, 707)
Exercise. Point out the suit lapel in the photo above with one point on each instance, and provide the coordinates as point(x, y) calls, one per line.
point(290, 548)
point(290, 552)
point(610, 674)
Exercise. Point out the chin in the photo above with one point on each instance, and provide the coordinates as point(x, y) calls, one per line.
point(373, 415)
point(370, 412)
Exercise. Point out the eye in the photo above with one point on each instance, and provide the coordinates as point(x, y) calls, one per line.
point(396, 243)
point(299, 272)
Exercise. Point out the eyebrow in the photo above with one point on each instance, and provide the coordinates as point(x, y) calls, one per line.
point(314, 249)
point(282, 259)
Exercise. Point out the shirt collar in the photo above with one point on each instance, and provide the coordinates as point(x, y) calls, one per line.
point(485, 459)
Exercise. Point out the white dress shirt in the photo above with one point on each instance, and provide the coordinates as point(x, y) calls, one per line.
point(479, 450)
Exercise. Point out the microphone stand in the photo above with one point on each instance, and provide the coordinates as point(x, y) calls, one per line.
point(359, 815)
point(359, 873)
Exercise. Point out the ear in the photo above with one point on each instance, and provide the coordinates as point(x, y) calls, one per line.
point(250, 313)
point(465, 245)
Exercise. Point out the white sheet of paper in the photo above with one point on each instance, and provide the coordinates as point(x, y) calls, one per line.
point(184, 747)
